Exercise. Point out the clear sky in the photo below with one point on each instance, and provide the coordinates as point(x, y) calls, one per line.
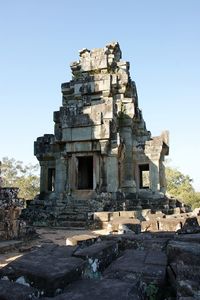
point(161, 39)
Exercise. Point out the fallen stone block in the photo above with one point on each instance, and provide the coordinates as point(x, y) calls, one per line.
point(52, 249)
point(190, 225)
point(185, 252)
point(178, 216)
point(102, 216)
point(185, 272)
point(132, 224)
point(106, 289)
point(151, 225)
point(142, 214)
point(170, 224)
point(193, 237)
point(143, 241)
point(15, 291)
point(127, 214)
point(137, 265)
point(81, 240)
point(113, 215)
point(47, 269)
point(98, 256)
point(155, 216)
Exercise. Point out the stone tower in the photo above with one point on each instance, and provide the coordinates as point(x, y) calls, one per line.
point(100, 147)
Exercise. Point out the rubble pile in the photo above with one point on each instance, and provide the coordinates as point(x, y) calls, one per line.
point(180, 220)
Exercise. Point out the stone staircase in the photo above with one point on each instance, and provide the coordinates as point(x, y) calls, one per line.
point(70, 214)
point(73, 214)
point(77, 212)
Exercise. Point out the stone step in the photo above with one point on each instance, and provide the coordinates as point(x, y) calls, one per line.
point(76, 207)
point(71, 218)
point(71, 224)
point(71, 213)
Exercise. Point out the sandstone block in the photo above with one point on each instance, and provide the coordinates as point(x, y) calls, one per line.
point(97, 256)
point(106, 289)
point(132, 265)
point(170, 224)
point(47, 269)
point(15, 291)
point(83, 239)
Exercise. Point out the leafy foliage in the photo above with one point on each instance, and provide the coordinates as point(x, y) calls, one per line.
point(180, 186)
point(16, 174)
point(151, 291)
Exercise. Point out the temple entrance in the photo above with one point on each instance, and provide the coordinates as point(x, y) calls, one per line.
point(85, 172)
point(144, 176)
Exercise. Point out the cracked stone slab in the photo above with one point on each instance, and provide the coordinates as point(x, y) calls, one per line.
point(47, 269)
point(98, 256)
point(186, 252)
point(106, 289)
point(139, 265)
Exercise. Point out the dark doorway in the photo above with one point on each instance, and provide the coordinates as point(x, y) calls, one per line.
point(51, 179)
point(85, 173)
point(144, 176)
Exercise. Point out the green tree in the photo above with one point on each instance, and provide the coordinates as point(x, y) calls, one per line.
point(180, 186)
point(15, 174)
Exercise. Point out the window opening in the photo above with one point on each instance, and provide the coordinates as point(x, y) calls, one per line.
point(144, 176)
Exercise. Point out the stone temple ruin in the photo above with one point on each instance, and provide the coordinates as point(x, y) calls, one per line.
point(102, 162)
point(101, 156)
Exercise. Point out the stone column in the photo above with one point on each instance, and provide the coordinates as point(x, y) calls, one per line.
point(43, 177)
point(112, 174)
point(103, 174)
point(128, 182)
point(61, 175)
point(154, 175)
point(163, 183)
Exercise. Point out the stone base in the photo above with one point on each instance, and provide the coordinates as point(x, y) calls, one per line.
point(77, 212)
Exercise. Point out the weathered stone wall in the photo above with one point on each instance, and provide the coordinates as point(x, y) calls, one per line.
point(10, 209)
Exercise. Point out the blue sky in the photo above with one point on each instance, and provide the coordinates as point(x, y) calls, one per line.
point(161, 39)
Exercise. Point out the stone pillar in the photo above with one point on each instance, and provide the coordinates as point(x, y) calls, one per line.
point(163, 183)
point(128, 182)
point(112, 173)
point(43, 177)
point(103, 174)
point(154, 175)
point(96, 171)
point(61, 175)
